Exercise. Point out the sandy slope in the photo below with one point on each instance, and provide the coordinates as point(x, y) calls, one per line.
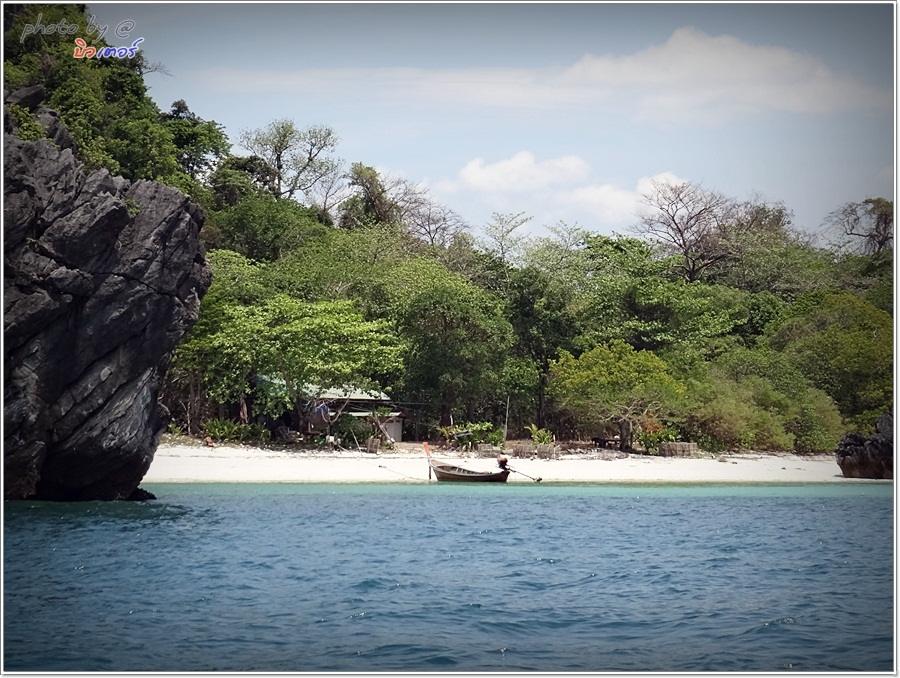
point(186, 463)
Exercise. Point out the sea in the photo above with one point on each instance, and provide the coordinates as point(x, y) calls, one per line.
point(454, 577)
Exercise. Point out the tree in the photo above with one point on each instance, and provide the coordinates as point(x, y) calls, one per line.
point(263, 228)
point(767, 255)
point(237, 282)
point(870, 222)
point(540, 317)
point(319, 346)
point(456, 336)
point(614, 383)
point(787, 267)
point(376, 200)
point(277, 349)
point(240, 176)
point(844, 346)
point(562, 256)
point(371, 202)
point(298, 157)
point(434, 224)
point(339, 264)
point(691, 222)
point(328, 194)
point(143, 148)
point(627, 293)
point(501, 235)
point(200, 143)
point(463, 256)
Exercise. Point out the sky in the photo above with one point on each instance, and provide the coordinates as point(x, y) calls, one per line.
point(566, 112)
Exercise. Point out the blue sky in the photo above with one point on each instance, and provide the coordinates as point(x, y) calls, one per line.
point(565, 112)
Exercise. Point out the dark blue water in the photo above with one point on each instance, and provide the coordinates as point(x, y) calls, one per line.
point(454, 578)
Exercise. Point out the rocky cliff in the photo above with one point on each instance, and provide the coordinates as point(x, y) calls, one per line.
point(860, 457)
point(102, 279)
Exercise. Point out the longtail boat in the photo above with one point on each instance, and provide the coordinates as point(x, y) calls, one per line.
point(459, 474)
point(454, 473)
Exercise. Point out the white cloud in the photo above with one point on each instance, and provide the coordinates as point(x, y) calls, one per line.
point(693, 73)
point(549, 189)
point(647, 184)
point(522, 172)
point(613, 206)
point(691, 76)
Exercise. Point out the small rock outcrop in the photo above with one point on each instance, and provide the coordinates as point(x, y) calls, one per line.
point(102, 279)
point(861, 457)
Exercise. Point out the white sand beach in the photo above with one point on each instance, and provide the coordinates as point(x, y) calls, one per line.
point(196, 463)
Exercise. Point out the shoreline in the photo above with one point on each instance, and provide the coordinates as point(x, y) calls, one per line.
point(176, 463)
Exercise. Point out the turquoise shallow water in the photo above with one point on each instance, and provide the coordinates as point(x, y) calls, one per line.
point(454, 578)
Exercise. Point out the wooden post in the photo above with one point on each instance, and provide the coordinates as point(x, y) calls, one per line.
point(506, 423)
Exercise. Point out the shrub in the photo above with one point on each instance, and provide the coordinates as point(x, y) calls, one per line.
point(726, 414)
point(652, 436)
point(768, 432)
point(347, 427)
point(27, 127)
point(540, 436)
point(254, 432)
point(227, 430)
point(221, 429)
point(817, 427)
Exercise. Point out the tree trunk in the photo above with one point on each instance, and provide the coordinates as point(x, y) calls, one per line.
point(625, 435)
point(542, 387)
point(445, 414)
point(243, 415)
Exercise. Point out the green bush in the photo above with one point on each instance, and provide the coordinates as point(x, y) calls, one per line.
point(27, 127)
point(723, 414)
point(222, 429)
point(540, 436)
point(347, 427)
point(817, 426)
point(227, 430)
point(254, 432)
point(650, 439)
point(768, 432)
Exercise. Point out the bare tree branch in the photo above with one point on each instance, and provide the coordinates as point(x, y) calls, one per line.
point(298, 157)
point(870, 223)
point(689, 221)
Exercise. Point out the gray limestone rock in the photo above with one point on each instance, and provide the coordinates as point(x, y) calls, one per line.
point(860, 457)
point(103, 277)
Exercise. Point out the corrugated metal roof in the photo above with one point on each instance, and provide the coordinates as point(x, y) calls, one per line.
point(347, 394)
point(314, 391)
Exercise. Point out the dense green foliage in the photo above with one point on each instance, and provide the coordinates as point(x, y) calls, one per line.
point(614, 383)
point(104, 102)
point(720, 324)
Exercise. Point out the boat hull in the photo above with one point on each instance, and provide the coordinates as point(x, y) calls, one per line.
point(448, 472)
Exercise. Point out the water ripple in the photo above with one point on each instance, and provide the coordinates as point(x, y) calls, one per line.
point(409, 578)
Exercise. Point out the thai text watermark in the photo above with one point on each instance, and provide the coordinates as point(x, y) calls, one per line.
point(85, 51)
